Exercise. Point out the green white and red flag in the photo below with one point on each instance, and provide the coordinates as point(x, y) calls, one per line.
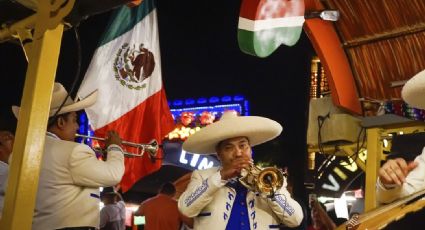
point(126, 69)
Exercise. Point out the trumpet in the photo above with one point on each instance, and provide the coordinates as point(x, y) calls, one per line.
point(151, 148)
point(265, 181)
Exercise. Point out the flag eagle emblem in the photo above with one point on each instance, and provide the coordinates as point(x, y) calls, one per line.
point(132, 65)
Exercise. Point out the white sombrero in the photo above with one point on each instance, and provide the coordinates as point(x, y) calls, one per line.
point(413, 91)
point(257, 129)
point(58, 96)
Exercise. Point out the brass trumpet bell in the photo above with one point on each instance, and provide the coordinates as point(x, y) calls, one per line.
point(265, 181)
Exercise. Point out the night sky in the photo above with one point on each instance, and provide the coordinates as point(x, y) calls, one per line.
point(201, 58)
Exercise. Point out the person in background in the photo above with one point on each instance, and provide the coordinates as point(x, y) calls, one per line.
point(320, 219)
point(398, 178)
point(112, 215)
point(7, 130)
point(161, 211)
point(70, 173)
point(215, 198)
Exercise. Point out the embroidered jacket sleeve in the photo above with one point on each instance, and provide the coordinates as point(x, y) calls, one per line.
point(415, 181)
point(199, 193)
point(87, 170)
point(286, 209)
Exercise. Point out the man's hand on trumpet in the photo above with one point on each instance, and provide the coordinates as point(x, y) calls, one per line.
point(112, 137)
point(235, 167)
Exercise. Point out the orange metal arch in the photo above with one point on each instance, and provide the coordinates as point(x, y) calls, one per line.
point(328, 47)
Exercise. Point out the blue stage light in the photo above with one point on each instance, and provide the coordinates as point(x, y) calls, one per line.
point(226, 98)
point(214, 99)
point(202, 100)
point(189, 102)
point(178, 102)
point(238, 98)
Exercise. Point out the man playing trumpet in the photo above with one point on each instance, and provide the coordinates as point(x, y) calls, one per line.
point(70, 173)
point(216, 198)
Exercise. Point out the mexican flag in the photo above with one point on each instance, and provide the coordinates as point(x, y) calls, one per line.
point(126, 70)
point(266, 24)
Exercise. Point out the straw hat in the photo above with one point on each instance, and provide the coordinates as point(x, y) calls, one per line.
point(58, 96)
point(413, 91)
point(257, 129)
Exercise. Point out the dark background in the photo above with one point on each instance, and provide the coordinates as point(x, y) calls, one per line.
point(201, 58)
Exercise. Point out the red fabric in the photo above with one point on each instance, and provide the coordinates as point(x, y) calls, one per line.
point(161, 213)
point(151, 119)
point(263, 9)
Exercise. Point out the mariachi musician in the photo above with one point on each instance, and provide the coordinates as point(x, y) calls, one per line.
point(398, 178)
point(70, 173)
point(216, 198)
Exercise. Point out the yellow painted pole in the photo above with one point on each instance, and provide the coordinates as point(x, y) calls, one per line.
point(374, 152)
point(29, 143)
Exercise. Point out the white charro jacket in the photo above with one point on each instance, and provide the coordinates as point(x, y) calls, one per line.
point(210, 202)
point(415, 181)
point(68, 188)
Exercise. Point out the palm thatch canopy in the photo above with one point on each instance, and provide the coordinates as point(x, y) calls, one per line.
point(384, 41)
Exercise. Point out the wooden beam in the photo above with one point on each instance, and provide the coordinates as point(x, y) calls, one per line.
point(399, 32)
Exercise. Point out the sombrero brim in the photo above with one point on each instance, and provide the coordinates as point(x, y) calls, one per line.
point(79, 105)
point(257, 129)
point(413, 91)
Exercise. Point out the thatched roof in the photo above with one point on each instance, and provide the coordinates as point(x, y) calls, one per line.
point(384, 41)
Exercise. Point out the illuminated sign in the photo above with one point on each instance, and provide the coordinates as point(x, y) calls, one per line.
point(215, 105)
point(192, 114)
point(196, 161)
point(175, 155)
point(336, 175)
